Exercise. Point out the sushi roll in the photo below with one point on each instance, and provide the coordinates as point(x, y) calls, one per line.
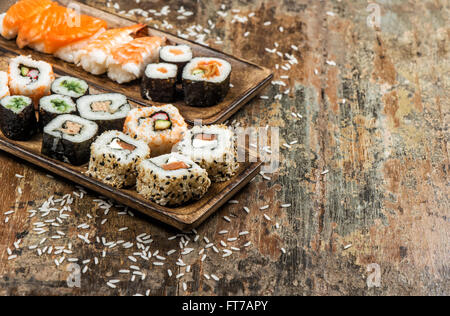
point(53, 105)
point(171, 180)
point(127, 62)
point(114, 157)
point(213, 148)
point(70, 86)
point(30, 78)
point(161, 127)
point(68, 138)
point(4, 89)
point(159, 83)
point(93, 57)
point(206, 81)
point(108, 110)
point(179, 55)
point(17, 118)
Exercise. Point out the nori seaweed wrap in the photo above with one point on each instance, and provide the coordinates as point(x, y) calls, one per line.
point(68, 138)
point(159, 83)
point(206, 81)
point(17, 118)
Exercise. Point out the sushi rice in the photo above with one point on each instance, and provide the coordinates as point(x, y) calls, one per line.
point(161, 127)
point(30, 78)
point(171, 180)
point(178, 55)
point(109, 110)
point(127, 62)
point(114, 157)
point(70, 86)
point(4, 89)
point(213, 148)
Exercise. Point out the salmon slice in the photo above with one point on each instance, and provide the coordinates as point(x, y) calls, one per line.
point(56, 27)
point(94, 55)
point(175, 166)
point(20, 13)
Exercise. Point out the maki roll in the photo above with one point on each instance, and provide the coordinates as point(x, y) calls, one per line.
point(179, 55)
point(159, 83)
point(68, 138)
point(17, 118)
point(53, 105)
point(4, 89)
point(213, 148)
point(114, 157)
point(171, 180)
point(206, 81)
point(161, 127)
point(30, 78)
point(109, 110)
point(70, 86)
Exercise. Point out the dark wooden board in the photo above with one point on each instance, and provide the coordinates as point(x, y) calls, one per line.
point(247, 78)
point(183, 218)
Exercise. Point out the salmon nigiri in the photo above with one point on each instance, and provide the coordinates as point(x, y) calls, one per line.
point(12, 20)
point(93, 57)
point(127, 62)
point(57, 27)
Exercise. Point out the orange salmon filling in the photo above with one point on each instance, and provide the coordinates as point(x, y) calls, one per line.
point(126, 146)
point(175, 166)
point(101, 106)
point(176, 52)
point(210, 69)
point(162, 70)
point(71, 128)
point(206, 137)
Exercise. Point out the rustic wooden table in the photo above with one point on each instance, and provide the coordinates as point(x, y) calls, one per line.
point(373, 96)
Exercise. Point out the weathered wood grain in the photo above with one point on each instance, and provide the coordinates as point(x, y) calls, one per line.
point(386, 192)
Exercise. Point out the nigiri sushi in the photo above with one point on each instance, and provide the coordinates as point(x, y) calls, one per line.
point(12, 20)
point(52, 29)
point(93, 57)
point(127, 62)
point(4, 89)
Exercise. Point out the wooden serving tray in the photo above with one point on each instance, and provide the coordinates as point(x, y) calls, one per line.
point(183, 218)
point(247, 79)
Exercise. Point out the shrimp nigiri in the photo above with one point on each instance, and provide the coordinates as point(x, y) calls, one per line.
point(57, 27)
point(19, 13)
point(93, 57)
point(127, 62)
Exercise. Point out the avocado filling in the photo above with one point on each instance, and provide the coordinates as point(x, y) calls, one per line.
point(60, 105)
point(74, 86)
point(161, 121)
point(16, 104)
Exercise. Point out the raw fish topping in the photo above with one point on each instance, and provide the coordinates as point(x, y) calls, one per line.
point(207, 69)
point(120, 144)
